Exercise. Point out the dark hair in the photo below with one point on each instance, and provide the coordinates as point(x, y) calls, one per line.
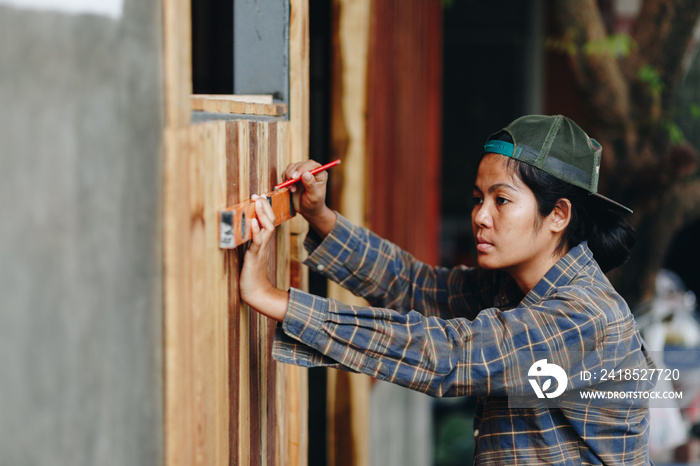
point(610, 237)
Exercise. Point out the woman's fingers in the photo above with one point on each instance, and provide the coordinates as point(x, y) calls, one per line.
point(257, 238)
point(309, 195)
point(315, 184)
point(294, 170)
point(265, 214)
point(263, 226)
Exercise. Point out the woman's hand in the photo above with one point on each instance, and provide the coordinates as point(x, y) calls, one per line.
point(309, 196)
point(255, 287)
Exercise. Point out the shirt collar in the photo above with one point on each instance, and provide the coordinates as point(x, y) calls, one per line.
point(561, 273)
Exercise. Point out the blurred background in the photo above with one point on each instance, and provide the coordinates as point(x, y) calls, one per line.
point(625, 70)
point(83, 88)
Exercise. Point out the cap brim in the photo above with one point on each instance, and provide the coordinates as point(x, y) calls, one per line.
point(610, 204)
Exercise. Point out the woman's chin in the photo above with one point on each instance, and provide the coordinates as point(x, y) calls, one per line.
point(486, 262)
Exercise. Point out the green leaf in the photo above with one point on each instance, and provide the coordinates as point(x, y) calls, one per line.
point(614, 45)
point(565, 43)
point(675, 133)
point(695, 111)
point(648, 75)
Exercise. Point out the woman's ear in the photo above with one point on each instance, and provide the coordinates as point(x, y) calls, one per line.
point(560, 216)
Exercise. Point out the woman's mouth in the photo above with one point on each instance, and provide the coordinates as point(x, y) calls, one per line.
point(483, 245)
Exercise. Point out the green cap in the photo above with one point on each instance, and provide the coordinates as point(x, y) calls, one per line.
point(558, 146)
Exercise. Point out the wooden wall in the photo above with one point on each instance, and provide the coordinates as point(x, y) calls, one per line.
point(348, 394)
point(226, 402)
point(404, 124)
point(386, 101)
point(226, 399)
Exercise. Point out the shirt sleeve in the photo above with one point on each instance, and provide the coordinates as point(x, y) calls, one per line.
point(439, 357)
point(388, 277)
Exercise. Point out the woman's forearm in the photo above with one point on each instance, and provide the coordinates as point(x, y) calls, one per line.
point(323, 224)
point(271, 303)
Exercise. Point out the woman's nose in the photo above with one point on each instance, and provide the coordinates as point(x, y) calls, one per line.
point(481, 215)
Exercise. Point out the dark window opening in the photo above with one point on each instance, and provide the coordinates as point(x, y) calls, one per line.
point(212, 46)
point(241, 47)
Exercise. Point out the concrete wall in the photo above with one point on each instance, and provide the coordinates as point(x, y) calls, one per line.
point(401, 426)
point(261, 48)
point(80, 267)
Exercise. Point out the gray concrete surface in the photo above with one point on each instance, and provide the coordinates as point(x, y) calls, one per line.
point(401, 427)
point(261, 48)
point(80, 227)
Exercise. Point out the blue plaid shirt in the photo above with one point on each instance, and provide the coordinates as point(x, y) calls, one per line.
point(468, 331)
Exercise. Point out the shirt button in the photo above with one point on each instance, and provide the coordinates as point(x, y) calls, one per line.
point(476, 432)
point(320, 267)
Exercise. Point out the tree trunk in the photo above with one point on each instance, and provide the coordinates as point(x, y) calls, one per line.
point(630, 118)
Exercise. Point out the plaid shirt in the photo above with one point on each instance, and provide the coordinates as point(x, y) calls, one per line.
point(468, 331)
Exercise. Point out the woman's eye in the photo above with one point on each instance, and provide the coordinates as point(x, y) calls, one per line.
point(501, 200)
point(476, 200)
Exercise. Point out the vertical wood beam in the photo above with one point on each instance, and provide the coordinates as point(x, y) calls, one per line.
point(196, 296)
point(349, 394)
point(404, 152)
point(177, 56)
point(177, 344)
point(294, 383)
point(299, 79)
point(233, 170)
point(244, 413)
point(404, 124)
point(299, 123)
point(226, 401)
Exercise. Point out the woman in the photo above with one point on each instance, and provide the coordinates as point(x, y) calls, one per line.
point(537, 304)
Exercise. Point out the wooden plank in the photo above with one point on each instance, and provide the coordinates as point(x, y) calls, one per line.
point(249, 98)
point(178, 429)
point(244, 414)
point(196, 291)
point(201, 364)
point(255, 445)
point(275, 264)
point(348, 400)
point(299, 88)
point(281, 153)
point(403, 124)
point(299, 79)
point(209, 294)
point(278, 429)
point(229, 104)
point(217, 284)
point(299, 85)
point(234, 305)
point(291, 427)
point(348, 394)
point(292, 404)
point(261, 322)
point(177, 57)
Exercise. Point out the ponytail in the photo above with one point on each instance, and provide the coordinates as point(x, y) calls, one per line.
point(611, 239)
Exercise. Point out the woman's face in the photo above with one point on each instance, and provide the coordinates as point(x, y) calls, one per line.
point(509, 232)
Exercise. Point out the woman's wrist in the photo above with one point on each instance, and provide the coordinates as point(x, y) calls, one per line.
point(324, 222)
point(272, 303)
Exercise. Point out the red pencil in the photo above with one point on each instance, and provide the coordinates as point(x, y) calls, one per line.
point(313, 172)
